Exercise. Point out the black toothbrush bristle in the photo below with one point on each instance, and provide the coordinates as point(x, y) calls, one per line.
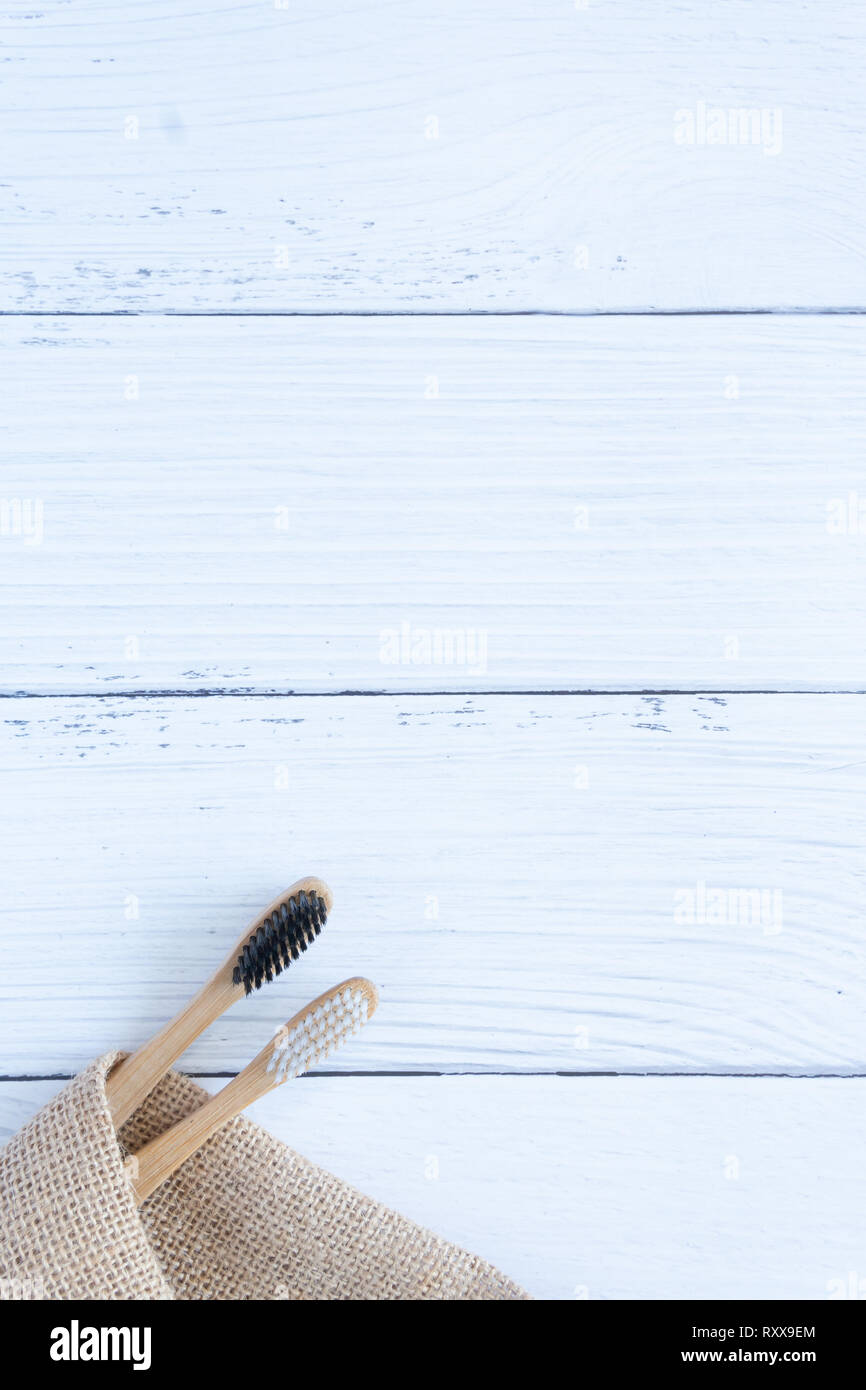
point(279, 939)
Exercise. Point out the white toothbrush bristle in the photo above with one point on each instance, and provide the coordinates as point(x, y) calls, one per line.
point(325, 1025)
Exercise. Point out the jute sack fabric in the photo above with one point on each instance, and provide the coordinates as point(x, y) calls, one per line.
point(245, 1218)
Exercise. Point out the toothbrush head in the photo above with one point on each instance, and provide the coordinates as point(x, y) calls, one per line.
point(288, 927)
point(319, 1029)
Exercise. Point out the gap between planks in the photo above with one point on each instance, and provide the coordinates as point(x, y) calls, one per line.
point(379, 694)
point(484, 1075)
point(775, 311)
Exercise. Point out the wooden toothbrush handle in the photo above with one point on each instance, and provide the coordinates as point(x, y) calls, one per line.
point(156, 1161)
point(133, 1079)
point(310, 1036)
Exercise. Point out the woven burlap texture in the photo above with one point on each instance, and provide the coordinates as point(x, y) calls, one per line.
point(245, 1218)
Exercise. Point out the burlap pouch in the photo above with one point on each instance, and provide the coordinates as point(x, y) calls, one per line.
point(245, 1218)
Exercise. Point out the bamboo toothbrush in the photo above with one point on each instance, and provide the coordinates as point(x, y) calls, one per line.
point(274, 939)
point(309, 1037)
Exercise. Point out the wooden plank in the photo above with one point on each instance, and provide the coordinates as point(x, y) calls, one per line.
point(603, 1188)
point(607, 504)
point(521, 876)
point(260, 156)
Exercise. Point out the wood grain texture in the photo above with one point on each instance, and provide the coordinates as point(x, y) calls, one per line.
point(253, 156)
point(513, 873)
point(599, 1188)
point(283, 505)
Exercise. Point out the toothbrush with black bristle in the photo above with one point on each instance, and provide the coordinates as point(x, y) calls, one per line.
point(311, 1036)
point(271, 942)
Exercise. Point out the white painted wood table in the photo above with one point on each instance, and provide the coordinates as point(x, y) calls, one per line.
point(433, 459)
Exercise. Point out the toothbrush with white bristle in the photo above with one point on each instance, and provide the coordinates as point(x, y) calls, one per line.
point(311, 1036)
